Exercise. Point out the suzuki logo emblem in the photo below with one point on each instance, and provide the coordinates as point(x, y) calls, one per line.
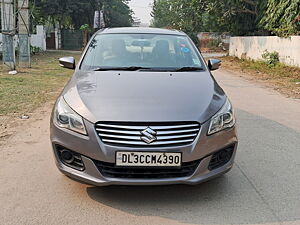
point(149, 135)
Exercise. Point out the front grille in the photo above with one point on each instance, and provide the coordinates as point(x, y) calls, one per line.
point(147, 134)
point(111, 170)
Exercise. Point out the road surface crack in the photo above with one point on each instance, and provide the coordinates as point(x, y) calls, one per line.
point(259, 194)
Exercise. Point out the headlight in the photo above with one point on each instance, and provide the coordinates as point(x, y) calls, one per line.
point(222, 120)
point(65, 117)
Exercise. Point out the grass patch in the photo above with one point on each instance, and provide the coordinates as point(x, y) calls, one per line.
point(281, 77)
point(31, 87)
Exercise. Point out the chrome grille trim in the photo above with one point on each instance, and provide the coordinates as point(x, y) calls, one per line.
point(129, 133)
point(145, 144)
point(145, 127)
point(139, 133)
point(119, 131)
point(138, 137)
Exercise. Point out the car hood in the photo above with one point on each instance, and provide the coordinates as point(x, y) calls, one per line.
point(144, 96)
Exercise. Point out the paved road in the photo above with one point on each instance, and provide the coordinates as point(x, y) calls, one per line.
point(262, 188)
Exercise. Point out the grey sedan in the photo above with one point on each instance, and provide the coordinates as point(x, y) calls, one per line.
point(142, 108)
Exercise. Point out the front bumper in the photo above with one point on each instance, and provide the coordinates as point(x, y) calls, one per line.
point(92, 149)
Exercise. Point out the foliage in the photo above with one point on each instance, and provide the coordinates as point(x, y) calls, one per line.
point(54, 11)
point(117, 13)
point(179, 14)
point(85, 27)
point(34, 50)
point(214, 43)
point(271, 58)
point(74, 13)
point(239, 17)
point(236, 16)
point(161, 13)
point(282, 17)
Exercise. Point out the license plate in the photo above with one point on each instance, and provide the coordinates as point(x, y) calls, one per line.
point(148, 159)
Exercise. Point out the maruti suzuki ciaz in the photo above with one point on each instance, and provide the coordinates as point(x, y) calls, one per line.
point(142, 108)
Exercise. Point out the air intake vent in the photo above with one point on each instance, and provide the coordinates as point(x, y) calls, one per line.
point(70, 158)
point(111, 170)
point(220, 158)
point(147, 134)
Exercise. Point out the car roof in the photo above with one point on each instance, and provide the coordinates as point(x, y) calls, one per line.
point(140, 30)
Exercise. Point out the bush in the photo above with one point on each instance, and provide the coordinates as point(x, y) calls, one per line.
point(34, 50)
point(271, 58)
point(85, 27)
point(214, 44)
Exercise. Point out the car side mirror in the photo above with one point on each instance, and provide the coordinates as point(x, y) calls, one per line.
point(214, 64)
point(67, 62)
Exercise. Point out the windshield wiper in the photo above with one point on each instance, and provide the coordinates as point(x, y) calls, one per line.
point(188, 68)
point(135, 68)
point(131, 68)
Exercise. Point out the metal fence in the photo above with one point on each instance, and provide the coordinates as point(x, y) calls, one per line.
point(72, 39)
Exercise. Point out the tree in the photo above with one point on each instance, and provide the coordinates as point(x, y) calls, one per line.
point(184, 15)
point(161, 13)
point(74, 13)
point(239, 17)
point(282, 17)
point(117, 13)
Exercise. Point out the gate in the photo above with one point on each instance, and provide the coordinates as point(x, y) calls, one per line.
point(50, 41)
point(72, 39)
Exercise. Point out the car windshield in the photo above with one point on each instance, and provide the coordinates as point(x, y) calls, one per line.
point(141, 51)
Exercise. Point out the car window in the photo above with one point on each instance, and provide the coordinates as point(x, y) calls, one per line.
point(140, 50)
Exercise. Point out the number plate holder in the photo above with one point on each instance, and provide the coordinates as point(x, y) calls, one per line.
point(148, 159)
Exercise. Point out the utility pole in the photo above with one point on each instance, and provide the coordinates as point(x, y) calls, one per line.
point(24, 34)
point(8, 31)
